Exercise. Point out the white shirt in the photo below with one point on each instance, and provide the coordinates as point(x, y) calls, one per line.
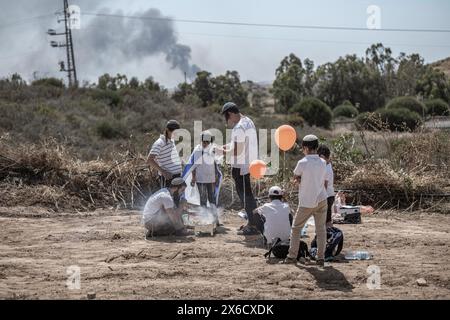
point(204, 164)
point(312, 170)
point(160, 200)
point(166, 155)
point(244, 132)
point(330, 179)
point(277, 223)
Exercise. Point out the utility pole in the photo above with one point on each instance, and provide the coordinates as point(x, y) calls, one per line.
point(69, 67)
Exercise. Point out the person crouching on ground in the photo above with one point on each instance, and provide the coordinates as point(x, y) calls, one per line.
point(161, 217)
point(164, 157)
point(276, 216)
point(310, 172)
point(204, 173)
point(325, 153)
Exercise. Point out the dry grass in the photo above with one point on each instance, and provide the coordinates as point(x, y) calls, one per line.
point(46, 174)
point(411, 175)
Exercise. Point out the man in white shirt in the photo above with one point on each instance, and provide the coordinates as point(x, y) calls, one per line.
point(244, 148)
point(161, 217)
point(276, 216)
point(310, 172)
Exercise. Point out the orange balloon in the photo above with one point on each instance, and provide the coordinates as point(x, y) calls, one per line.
point(285, 137)
point(258, 169)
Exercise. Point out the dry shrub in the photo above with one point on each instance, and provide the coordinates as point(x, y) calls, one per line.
point(46, 174)
point(376, 182)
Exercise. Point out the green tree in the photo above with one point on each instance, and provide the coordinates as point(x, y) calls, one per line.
point(410, 68)
point(183, 90)
point(349, 78)
point(203, 87)
point(289, 85)
point(437, 107)
point(228, 87)
point(151, 85)
point(134, 83)
point(433, 84)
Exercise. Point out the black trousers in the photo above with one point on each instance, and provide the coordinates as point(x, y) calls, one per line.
point(330, 202)
point(244, 191)
point(165, 183)
point(206, 191)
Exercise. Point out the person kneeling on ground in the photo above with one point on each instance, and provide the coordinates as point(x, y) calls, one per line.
point(161, 217)
point(312, 197)
point(276, 217)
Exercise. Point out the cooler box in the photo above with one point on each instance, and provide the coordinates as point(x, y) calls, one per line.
point(351, 214)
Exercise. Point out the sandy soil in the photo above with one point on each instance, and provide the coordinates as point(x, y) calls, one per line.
point(116, 261)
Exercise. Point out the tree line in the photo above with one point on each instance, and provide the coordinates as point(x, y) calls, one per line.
point(350, 87)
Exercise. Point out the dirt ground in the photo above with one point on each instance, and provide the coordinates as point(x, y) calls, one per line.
point(116, 262)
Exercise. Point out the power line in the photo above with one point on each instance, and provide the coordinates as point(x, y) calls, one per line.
point(246, 24)
point(305, 40)
point(24, 21)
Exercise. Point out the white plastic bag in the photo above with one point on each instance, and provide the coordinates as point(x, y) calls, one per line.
point(191, 193)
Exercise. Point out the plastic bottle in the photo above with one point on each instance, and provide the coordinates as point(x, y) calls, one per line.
point(358, 255)
point(303, 232)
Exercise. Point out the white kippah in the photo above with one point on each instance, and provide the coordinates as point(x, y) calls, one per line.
point(310, 137)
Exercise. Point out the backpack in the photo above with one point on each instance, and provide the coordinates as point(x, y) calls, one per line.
point(280, 249)
point(335, 242)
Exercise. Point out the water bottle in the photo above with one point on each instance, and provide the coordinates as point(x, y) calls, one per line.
point(358, 255)
point(303, 232)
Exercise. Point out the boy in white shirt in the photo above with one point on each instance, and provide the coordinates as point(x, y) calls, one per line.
point(204, 170)
point(310, 172)
point(275, 215)
point(325, 153)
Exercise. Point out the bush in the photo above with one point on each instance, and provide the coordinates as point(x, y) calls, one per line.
point(437, 107)
point(314, 111)
point(400, 119)
point(49, 82)
point(409, 103)
point(345, 110)
point(112, 98)
point(110, 130)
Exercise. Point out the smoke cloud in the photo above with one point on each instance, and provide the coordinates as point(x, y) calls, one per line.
point(135, 39)
point(103, 44)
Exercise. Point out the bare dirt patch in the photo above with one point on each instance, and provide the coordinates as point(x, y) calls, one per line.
point(37, 247)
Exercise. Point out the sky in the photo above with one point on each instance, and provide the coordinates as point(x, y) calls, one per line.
point(165, 49)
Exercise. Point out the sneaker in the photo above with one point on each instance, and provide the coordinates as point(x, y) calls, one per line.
point(183, 233)
point(320, 263)
point(248, 231)
point(289, 261)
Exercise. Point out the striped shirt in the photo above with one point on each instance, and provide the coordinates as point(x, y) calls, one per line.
point(166, 155)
